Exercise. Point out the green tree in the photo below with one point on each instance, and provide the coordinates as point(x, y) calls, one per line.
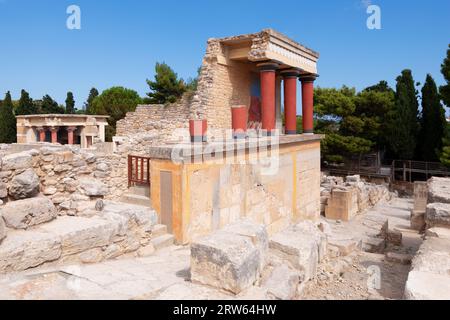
point(167, 87)
point(26, 105)
point(402, 121)
point(445, 69)
point(50, 106)
point(432, 123)
point(93, 93)
point(8, 126)
point(70, 103)
point(115, 102)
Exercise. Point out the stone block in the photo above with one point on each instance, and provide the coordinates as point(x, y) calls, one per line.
point(443, 233)
point(22, 250)
point(79, 234)
point(394, 237)
point(418, 220)
point(420, 196)
point(2, 229)
point(3, 190)
point(439, 190)
point(300, 250)
point(16, 161)
point(374, 245)
point(26, 213)
point(427, 286)
point(398, 257)
point(438, 215)
point(342, 205)
point(225, 261)
point(24, 185)
point(282, 283)
point(93, 187)
point(338, 246)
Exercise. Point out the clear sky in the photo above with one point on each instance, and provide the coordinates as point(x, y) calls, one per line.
point(120, 40)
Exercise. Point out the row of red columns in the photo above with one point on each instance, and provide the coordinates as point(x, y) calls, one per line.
point(268, 103)
point(54, 136)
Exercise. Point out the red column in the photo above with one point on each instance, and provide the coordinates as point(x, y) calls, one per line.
point(308, 103)
point(290, 100)
point(70, 131)
point(239, 119)
point(267, 73)
point(54, 131)
point(41, 131)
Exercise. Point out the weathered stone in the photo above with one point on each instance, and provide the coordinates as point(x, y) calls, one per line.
point(93, 187)
point(2, 229)
point(225, 261)
point(443, 233)
point(91, 256)
point(146, 251)
point(51, 190)
point(418, 220)
point(23, 214)
point(394, 237)
point(24, 185)
point(427, 286)
point(99, 205)
point(102, 166)
point(79, 234)
point(355, 178)
point(374, 245)
point(300, 250)
point(3, 190)
point(439, 190)
point(343, 204)
point(15, 161)
point(26, 249)
point(282, 283)
point(399, 257)
point(438, 214)
point(343, 245)
point(142, 215)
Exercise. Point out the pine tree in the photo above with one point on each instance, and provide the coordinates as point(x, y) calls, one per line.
point(445, 69)
point(166, 88)
point(432, 122)
point(402, 122)
point(70, 103)
point(88, 104)
point(50, 106)
point(8, 127)
point(26, 105)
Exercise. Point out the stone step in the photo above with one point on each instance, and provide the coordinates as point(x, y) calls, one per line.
point(136, 200)
point(159, 230)
point(163, 241)
point(140, 190)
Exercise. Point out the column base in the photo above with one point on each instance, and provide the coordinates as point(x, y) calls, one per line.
point(290, 132)
point(197, 139)
point(239, 135)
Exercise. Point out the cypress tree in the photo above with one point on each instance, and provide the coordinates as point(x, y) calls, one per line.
point(88, 104)
point(402, 128)
point(49, 106)
point(432, 122)
point(167, 87)
point(26, 105)
point(445, 69)
point(70, 103)
point(8, 126)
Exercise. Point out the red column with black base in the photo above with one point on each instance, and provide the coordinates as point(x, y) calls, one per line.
point(268, 91)
point(290, 100)
point(308, 103)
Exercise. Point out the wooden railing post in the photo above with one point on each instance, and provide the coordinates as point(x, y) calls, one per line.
point(129, 170)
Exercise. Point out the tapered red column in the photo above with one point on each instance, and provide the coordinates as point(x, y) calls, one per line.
point(41, 131)
point(70, 131)
point(54, 131)
point(267, 74)
point(308, 103)
point(290, 100)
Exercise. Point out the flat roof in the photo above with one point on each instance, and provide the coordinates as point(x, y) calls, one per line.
point(55, 115)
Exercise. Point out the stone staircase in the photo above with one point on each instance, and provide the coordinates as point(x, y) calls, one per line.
point(160, 238)
point(137, 195)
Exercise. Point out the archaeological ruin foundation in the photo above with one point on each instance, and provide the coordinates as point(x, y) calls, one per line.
point(212, 197)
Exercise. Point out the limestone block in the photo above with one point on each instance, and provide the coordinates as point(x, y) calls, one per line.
point(314, 231)
point(26, 249)
point(443, 233)
point(15, 161)
point(398, 257)
point(355, 178)
point(438, 215)
point(93, 187)
point(23, 214)
point(226, 261)
point(282, 283)
point(439, 190)
point(342, 205)
point(374, 245)
point(300, 250)
point(140, 214)
point(343, 246)
point(427, 286)
point(79, 234)
point(92, 256)
point(24, 185)
point(420, 195)
point(2, 229)
point(256, 233)
point(3, 190)
point(418, 220)
point(394, 237)
point(433, 256)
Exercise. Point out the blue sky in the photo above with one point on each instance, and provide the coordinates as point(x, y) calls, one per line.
point(120, 40)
